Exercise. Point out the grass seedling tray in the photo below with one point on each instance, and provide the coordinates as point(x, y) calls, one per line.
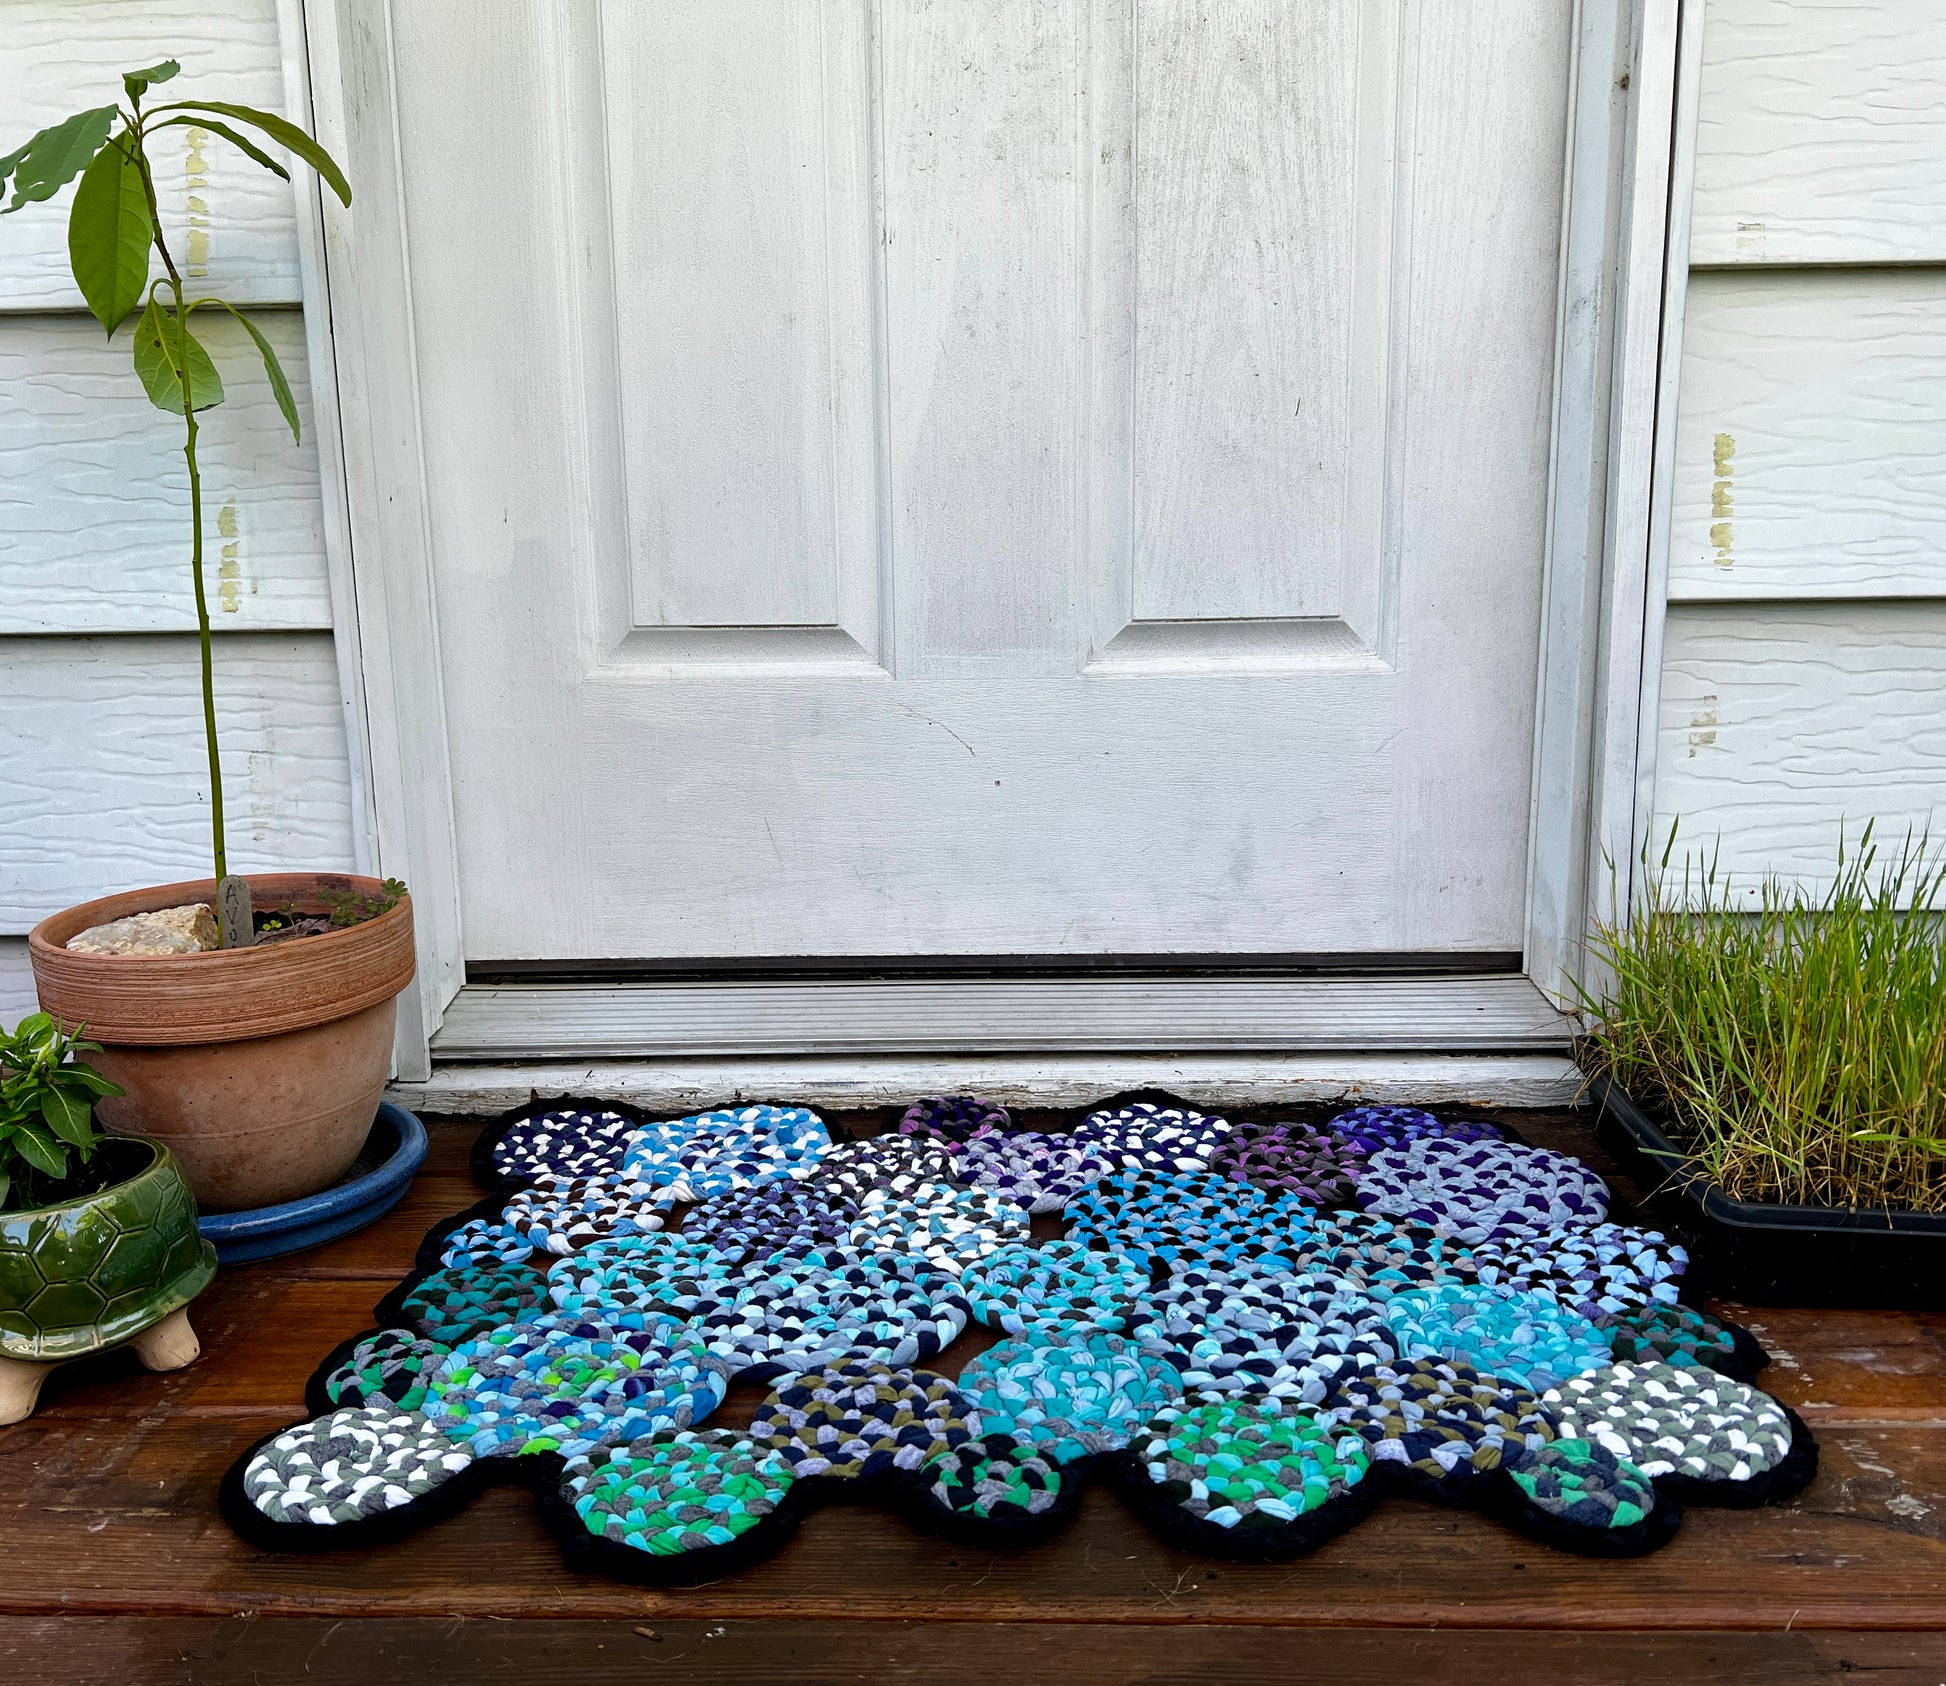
point(1775, 1254)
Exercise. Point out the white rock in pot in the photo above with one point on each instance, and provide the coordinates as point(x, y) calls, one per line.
point(169, 930)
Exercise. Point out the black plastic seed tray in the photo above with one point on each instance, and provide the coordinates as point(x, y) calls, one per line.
point(1774, 1254)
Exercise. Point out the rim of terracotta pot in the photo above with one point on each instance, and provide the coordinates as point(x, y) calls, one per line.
point(225, 995)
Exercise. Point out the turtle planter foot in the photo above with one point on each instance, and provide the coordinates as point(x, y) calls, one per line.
point(20, 1388)
point(170, 1345)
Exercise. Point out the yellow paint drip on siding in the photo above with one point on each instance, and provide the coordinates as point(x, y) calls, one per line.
point(1722, 502)
point(229, 573)
point(196, 167)
point(1702, 727)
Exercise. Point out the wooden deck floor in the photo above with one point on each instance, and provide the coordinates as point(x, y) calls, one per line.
point(114, 1565)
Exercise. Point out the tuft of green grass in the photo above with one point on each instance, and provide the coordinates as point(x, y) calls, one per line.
point(1797, 1052)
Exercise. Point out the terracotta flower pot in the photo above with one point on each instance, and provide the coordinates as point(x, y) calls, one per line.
point(261, 1068)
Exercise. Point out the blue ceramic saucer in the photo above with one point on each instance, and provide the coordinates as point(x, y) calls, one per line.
point(397, 1142)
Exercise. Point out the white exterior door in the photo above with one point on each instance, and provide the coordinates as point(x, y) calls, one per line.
point(971, 477)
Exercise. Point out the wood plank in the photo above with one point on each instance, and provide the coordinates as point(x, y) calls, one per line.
point(119, 1515)
point(1822, 138)
point(231, 223)
point(1845, 1369)
point(1782, 722)
point(163, 1651)
point(94, 497)
point(113, 727)
point(761, 1017)
point(1811, 440)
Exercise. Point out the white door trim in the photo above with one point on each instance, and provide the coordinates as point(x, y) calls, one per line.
point(1675, 309)
point(1600, 617)
point(382, 586)
point(844, 1082)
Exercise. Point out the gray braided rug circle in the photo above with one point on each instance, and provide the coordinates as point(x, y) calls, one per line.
point(1672, 1421)
point(350, 1465)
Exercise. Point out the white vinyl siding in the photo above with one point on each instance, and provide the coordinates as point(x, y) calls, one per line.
point(102, 782)
point(1804, 671)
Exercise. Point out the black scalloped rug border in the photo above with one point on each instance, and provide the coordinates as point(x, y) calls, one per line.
point(1492, 1493)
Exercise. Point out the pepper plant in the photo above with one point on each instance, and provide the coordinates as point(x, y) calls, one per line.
point(47, 1110)
point(114, 227)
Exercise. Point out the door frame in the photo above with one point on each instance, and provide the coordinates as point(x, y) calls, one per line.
point(1601, 631)
point(1631, 141)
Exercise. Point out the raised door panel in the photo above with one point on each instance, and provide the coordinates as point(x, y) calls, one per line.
point(1243, 214)
point(738, 170)
point(1139, 284)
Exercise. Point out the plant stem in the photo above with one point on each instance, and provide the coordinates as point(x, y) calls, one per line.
point(202, 608)
point(195, 513)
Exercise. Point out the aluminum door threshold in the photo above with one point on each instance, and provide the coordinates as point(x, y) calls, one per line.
point(745, 1017)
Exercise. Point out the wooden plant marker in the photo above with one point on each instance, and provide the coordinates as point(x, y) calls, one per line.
point(233, 916)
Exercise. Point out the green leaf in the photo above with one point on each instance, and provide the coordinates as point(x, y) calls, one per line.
point(67, 1118)
point(42, 1151)
point(88, 1078)
point(138, 82)
point(284, 132)
point(109, 232)
point(6, 1184)
point(156, 348)
point(273, 370)
point(243, 143)
point(55, 156)
point(7, 163)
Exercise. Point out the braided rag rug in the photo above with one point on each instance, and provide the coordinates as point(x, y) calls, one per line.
point(1253, 1331)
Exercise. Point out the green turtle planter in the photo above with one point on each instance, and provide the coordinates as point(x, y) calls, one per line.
point(111, 1269)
